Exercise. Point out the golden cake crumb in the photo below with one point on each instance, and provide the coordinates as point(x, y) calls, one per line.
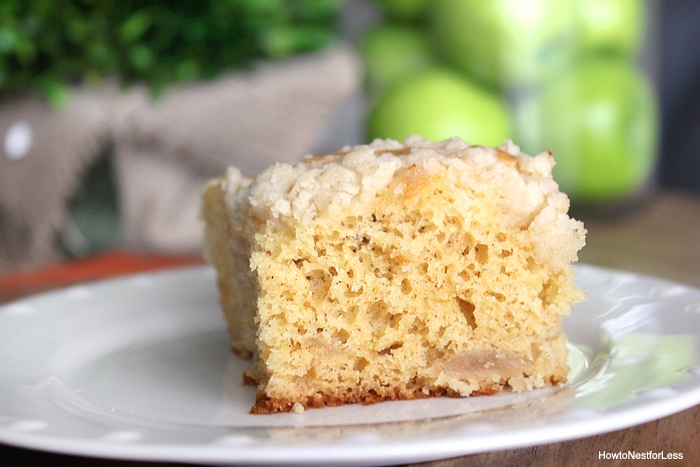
point(395, 271)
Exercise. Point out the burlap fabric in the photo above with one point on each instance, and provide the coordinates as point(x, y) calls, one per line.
point(162, 152)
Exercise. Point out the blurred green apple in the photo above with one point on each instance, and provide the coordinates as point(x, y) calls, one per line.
point(439, 104)
point(615, 26)
point(600, 121)
point(506, 42)
point(403, 10)
point(391, 53)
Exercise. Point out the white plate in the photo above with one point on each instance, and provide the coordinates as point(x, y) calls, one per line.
point(138, 368)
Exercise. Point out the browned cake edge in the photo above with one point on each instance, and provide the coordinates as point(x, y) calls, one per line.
point(267, 405)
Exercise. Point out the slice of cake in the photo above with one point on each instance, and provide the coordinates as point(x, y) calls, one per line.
point(395, 271)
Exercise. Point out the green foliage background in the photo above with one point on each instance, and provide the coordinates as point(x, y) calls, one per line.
point(46, 45)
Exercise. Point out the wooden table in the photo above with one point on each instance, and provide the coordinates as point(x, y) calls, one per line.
point(660, 239)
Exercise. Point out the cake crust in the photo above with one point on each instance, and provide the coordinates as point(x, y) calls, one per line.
point(395, 271)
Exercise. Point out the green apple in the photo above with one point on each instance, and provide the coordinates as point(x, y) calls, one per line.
point(439, 104)
point(615, 26)
point(403, 10)
point(391, 53)
point(506, 42)
point(601, 122)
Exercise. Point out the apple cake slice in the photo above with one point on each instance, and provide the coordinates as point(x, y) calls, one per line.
point(395, 271)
